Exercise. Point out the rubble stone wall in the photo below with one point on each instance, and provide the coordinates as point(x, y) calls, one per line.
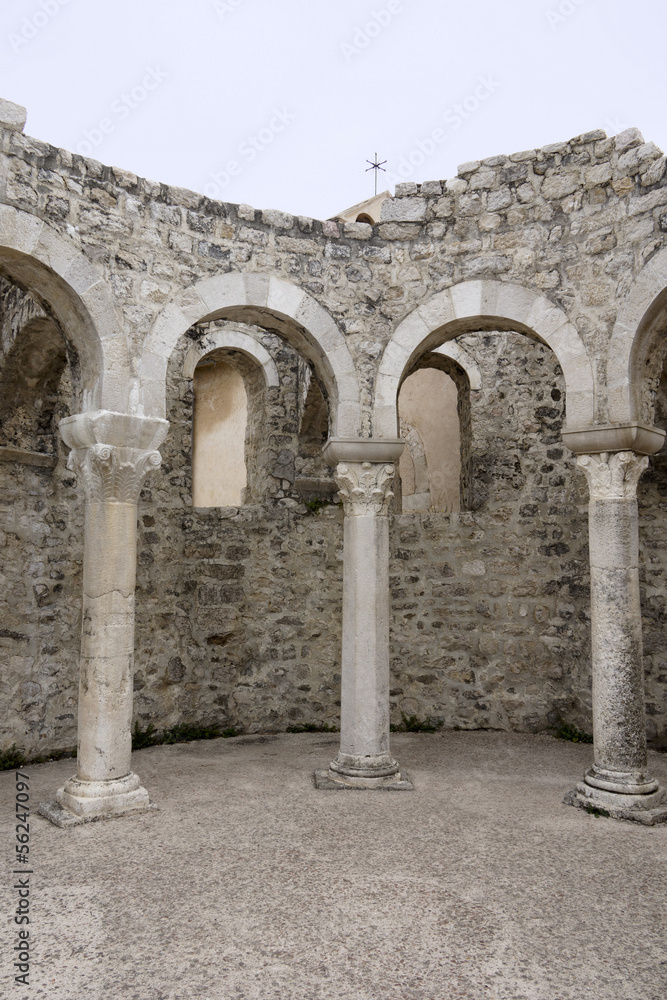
point(238, 609)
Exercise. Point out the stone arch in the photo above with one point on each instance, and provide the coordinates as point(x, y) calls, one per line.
point(484, 305)
point(235, 341)
point(74, 291)
point(641, 315)
point(464, 360)
point(256, 298)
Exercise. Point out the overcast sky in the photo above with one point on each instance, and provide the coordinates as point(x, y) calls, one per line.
point(278, 103)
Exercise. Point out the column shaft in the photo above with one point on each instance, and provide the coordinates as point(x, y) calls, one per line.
point(107, 641)
point(364, 759)
point(364, 724)
point(111, 454)
point(616, 632)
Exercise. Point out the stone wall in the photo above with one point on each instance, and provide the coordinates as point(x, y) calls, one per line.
point(238, 609)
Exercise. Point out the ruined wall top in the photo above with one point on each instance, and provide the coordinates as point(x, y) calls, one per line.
point(579, 226)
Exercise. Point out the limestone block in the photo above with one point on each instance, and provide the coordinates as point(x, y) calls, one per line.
point(601, 173)
point(399, 231)
point(482, 179)
point(467, 299)
point(444, 208)
point(559, 185)
point(278, 220)
point(526, 154)
point(655, 172)
point(319, 324)
point(255, 289)
point(468, 168)
point(498, 200)
point(284, 297)
point(404, 210)
point(456, 186)
point(12, 116)
point(630, 137)
point(409, 335)
point(358, 230)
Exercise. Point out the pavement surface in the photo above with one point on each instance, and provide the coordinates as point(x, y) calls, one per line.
point(248, 884)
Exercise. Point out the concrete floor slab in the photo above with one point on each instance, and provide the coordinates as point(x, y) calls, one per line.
point(249, 884)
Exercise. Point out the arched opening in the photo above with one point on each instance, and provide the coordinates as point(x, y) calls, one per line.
point(489, 627)
point(219, 473)
point(240, 630)
point(41, 522)
point(364, 217)
point(70, 288)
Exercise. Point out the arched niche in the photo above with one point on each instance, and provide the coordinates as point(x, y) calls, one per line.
point(434, 415)
point(234, 379)
point(220, 422)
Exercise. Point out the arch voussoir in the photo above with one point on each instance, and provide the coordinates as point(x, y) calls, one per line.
point(53, 269)
point(489, 305)
point(630, 340)
point(311, 330)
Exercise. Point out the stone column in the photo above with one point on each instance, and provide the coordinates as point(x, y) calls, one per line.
point(111, 455)
point(364, 759)
point(618, 783)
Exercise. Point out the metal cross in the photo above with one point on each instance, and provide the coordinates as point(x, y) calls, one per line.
point(375, 166)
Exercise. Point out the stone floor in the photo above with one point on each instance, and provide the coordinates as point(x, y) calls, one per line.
point(248, 884)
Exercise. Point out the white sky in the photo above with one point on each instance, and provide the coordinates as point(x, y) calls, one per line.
point(319, 93)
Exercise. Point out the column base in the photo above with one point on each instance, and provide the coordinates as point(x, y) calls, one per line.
point(363, 771)
point(647, 809)
point(87, 801)
point(330, 780)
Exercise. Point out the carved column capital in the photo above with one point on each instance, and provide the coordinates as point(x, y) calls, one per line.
point(613, 475)
point(365, 487)
point(113, 452)
point(111, 474)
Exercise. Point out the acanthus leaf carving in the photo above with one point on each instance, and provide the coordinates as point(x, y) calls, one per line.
point(613, 475)
point(112, 474)
point(364, 487)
